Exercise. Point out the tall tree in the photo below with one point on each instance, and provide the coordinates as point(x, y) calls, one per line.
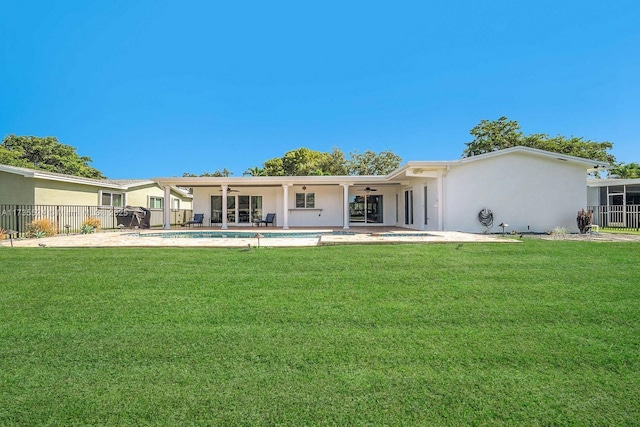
point(306, 162)
point(334, 163)
point(492, 136)
point(504, 133)
point(625, 170)
point(370, 163)
point(273, 167)
point(302, 162)
point(46, 154)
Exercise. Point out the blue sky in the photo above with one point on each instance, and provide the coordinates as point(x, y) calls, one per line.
point(156, 88)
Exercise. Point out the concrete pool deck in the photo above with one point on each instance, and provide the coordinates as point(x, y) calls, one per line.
point(361, 235)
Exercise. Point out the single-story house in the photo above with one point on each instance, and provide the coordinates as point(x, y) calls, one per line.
point(29, 187)
point(530, 190)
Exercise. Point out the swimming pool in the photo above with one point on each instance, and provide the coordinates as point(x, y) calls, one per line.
point(241, 234)
point(417, 234)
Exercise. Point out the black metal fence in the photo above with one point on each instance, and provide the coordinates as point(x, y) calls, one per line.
point(69, 218)
point(617, 216)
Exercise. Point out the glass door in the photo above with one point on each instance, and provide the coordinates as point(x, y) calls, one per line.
point(256, 208)
point(231, 209)
point(374, 209)
point(356, 209)
point(365, 209)
point(216, 209)
point(243, 209)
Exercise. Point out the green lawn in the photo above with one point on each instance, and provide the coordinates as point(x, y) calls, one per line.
point(538, 333)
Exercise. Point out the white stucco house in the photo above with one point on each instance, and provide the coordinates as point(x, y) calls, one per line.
point(528, 189)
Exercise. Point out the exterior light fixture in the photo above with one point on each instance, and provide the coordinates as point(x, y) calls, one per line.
point(10, 233)
point(503, 225)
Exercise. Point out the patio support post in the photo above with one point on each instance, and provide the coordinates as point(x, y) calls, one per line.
point(345, 206)
point(285, 206)
point(224, 206)
point(166, 208)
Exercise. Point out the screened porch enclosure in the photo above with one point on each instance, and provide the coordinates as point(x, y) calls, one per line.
point(619, 207)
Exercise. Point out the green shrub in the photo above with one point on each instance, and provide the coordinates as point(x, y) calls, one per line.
point(87, 229)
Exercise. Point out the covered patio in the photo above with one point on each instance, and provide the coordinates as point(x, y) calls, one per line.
point(310, 201)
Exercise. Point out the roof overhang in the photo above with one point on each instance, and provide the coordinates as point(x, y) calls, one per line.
point(609, 182)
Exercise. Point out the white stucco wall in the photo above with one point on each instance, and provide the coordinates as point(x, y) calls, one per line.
point(432, 204)
point(528, 192)
point(327, 197)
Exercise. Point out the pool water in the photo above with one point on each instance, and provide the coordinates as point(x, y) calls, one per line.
point(239, 234)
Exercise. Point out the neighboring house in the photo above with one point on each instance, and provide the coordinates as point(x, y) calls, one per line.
point(528, 189)
point(615, 202)
point(29, 187)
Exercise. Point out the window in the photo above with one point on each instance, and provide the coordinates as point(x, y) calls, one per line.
point(156, 202)
point(408, 207)
point(305, 200)
point(426, 207)
point(175, 204)
point(112, 199)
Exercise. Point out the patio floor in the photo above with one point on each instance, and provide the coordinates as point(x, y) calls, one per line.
point(357, 235)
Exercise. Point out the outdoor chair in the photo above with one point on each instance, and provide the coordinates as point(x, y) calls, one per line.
point(197, 219)
point(269, 219)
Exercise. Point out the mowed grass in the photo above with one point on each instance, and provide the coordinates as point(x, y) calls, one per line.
point(538, 333)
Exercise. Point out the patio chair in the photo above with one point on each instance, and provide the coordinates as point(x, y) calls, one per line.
point(269, 219)
point(197, 219)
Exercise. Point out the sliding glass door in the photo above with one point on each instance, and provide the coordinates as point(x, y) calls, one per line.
point(244, 208)
point(365, 209)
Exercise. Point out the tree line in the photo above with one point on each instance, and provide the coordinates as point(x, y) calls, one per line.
point(49, 154)
point(504, 133)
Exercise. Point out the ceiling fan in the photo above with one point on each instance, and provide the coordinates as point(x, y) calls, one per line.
point(230, 190)
point(369, 189)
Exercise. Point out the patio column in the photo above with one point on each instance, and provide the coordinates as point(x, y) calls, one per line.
point(224, 206)
point(285, 206)
point(345, 206)
point(166, 208)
